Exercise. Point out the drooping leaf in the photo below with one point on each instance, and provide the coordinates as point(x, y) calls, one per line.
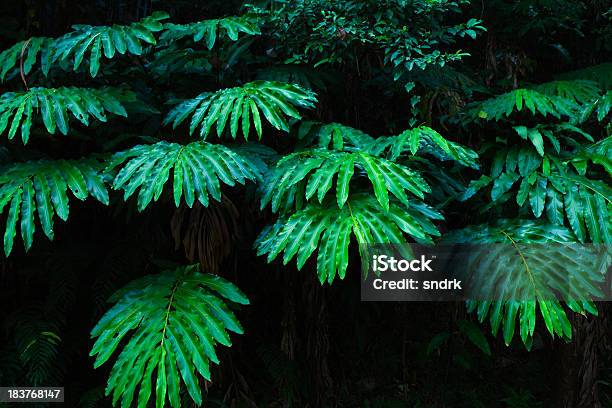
point(198, 170)
point(41, 188)
point(274, 101)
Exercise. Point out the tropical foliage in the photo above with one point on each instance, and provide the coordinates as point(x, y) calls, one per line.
point(338, 124)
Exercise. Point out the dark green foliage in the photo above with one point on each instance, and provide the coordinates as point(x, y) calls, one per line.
point(17, 110)
point(529, 269)
point(84, 42)
point(329, 228)
point(209, 30)
point(41, 187)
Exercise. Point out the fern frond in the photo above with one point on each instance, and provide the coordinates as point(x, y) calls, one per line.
point(598, 153)
point(317, 168)
point(524, 100)
point(42, 187)
point(54, 104)
point(174, 320)
point(197, 171)
point(172, 60)
point(579, 91)
point(37, 339)
point(527, 267)
point(210, 30)
point(327, 228)
point(93, 41)
point(96, 41)
point(550, 189)
point(427, 141)
point(333, 136)
point(537, 135)
point(602, 106)
point(275, 100)
point(587, 205)
point(26, 52)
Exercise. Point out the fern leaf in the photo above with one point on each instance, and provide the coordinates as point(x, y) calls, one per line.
point(38, 339)
point(525, 99)
point(534, 257)
point(170, 323)
point(55, 104)
point(84, 43)
point(95, 41)
point(601, 105)
point(425, 140)
point(210, 30)
point(328, 228)
point(601, 74)
point(275, 100)
point(25, 52)
point(197, 167)
point(317, 169)
point(175, 60)
point(578, 91)
point(333, 136)
point(41, 187)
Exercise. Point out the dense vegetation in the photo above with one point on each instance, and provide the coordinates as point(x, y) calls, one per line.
point(162, 170)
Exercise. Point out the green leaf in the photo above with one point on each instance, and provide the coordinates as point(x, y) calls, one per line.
point(170, 321)
point(276, 100)
point(528, 263)
point(328, 228)
point(197, 169)
point(55, 106)
point(41, 186)
point(502, 184)
point(537, 196)
point(316, 169)
point(210, 30)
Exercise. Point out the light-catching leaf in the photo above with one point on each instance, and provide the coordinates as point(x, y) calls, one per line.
point(327, 228)
point(236, 107)
point(166, 327)
point(198, 170)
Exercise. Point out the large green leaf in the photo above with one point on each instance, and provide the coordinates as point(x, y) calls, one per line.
point(274, 101)
point(26, 51)
point(531, 265)
point(42, 187)
point(85, 43)
point(328, 228)
point(210, 30)
point(318, 168)
point(523, 99)
point(198, 168)
point(96, 41)
point(17, 110)
point(167, 326)
point(425, 140)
